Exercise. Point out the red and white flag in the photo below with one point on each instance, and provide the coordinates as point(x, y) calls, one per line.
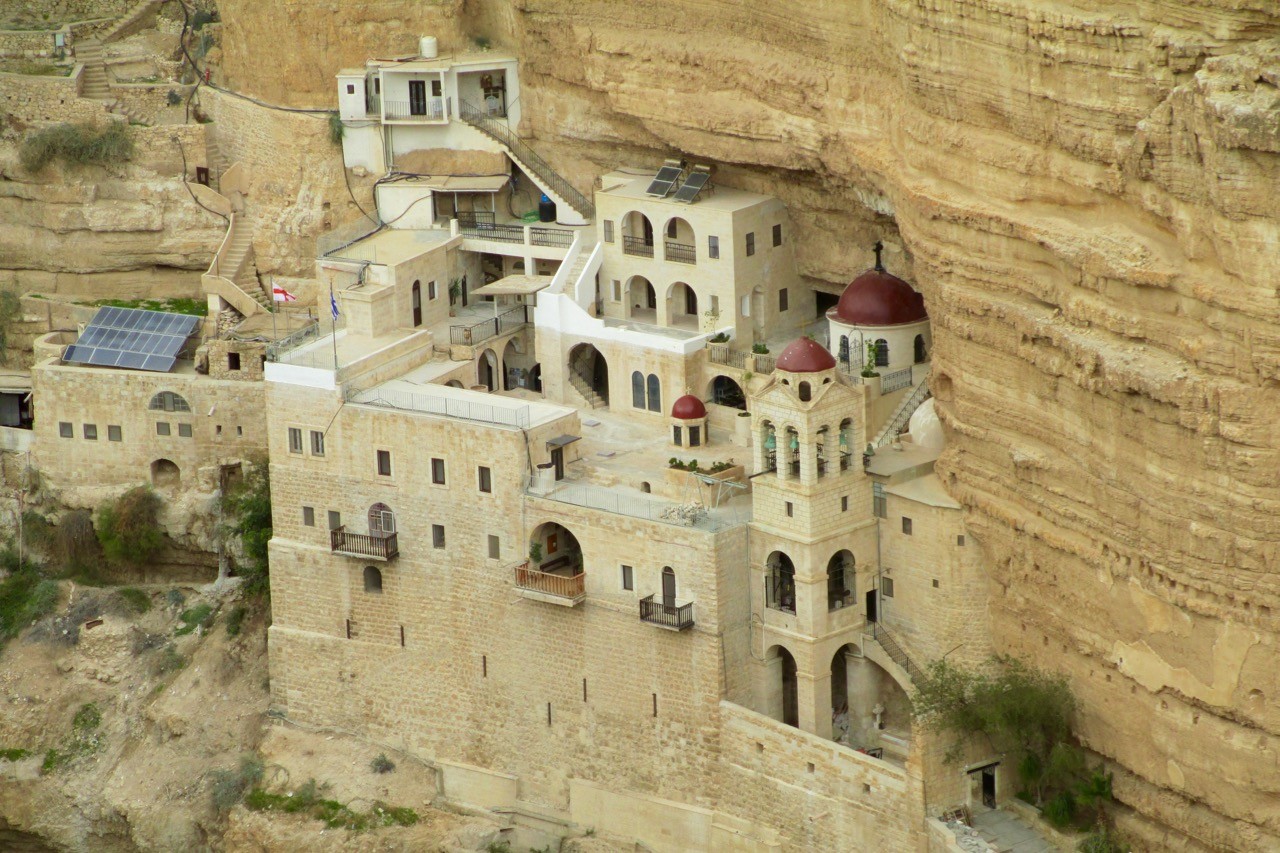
point(279, 294)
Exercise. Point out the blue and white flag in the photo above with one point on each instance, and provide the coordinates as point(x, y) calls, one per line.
point(333, 304)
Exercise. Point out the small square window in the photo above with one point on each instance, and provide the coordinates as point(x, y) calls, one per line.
point(495, 547)
point(91, 432)
point(66, 430)
point(783, 301)
point(113, 433)
point(162, 427)
point(790, 509)
point(713, 247)
point(608, 230)
point(384, 463)
point(184, 430)
point(628, 580)
point(437, 535)
point(777, 235)
point(935, 583)
point(295, 440)
point(844, 503)
point(886, 587)
point(437, 471)
point(906, 525)
point(217, 430)
point(351, 89)
point(960, 540)
point(486, 479)
point(335, 519)
point(309, 516)
point(233, 361)
point(751, 243)
point(317, 443)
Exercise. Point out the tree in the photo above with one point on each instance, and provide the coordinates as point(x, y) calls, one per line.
point(129, 527)
point(249, 507)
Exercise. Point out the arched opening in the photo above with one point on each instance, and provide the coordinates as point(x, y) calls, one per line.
point(642, 300)
point(882, 352)
point(372, 580)
point(382, 521)
point(682, 306)
point(165, 474)
point(805, 392)
point(681, 243)
point(514, 375)
point(784, 697)
point(792, 451)
point(637, 390)
point(840, 575)
point(668, 586)
point(416, 298)
point(840, 693)
point(768, 446)
point(654, 386)
point(637, 235)
point(922, 352)
point(879, 718)
point(844, 349)
point(454, 383)
point(780, 583)
point(555, 566)
point(535, 378)
point(846, 443)
point(645, 487)
point(487, 370)
point(820, 450)
point(725, 392)
point(167, 401)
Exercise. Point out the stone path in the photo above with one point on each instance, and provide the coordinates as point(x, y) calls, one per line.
point(1009, 833)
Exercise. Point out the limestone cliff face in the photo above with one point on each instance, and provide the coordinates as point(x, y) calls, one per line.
point(1085, 191)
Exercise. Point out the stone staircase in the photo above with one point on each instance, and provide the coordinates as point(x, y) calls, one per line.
point(876, 632)
point(139, 17)
point(95, 83)
point(580, 379)
point(575, 271)
point(239, 257)
point(120, 108)
point(902, 414)
point(216, 159)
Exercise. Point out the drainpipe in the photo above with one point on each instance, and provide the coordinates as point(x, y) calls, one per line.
point(875, 626)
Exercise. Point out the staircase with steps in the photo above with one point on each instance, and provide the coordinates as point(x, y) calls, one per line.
point(139, 17)
point(120, 108)
point(575, 271)
point(580, 379)
point(94, 82)
point(216, 160)
point(902, 414)
point(894, 651)
point(233, 276)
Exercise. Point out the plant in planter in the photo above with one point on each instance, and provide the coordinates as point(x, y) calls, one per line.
point(869, 366)
point(535, 555)
point(759, 349)
point(719, 338)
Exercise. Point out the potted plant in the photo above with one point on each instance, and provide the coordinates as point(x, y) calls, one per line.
point(759, 349)
point(535, 555)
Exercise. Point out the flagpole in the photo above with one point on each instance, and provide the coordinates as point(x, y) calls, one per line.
point(333, 308)
point(275, 335)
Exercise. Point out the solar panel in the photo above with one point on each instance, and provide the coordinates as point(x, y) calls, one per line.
point(664, 181)
point(132, 338)
point(692, 186)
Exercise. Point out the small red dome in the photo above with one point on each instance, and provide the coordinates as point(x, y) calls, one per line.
point(805, 355)
point(688, 408)
point(877, 298)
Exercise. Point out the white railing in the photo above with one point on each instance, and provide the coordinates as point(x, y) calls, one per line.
point(450, 407)
point(561, 278)
point(612, 500)
point(584, 292)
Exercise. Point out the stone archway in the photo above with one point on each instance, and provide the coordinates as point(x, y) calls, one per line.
point(165, 474)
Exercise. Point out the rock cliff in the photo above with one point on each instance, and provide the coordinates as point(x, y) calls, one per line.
point(1085, 192)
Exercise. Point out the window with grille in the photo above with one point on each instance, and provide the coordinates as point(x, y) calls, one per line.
point(384, 463)
point(879, 504)
point(751, 243)
point(886, 587)
point(167, 401)
point(608, 230)
point(295, 440)
point(317, 443)
point(66, 430)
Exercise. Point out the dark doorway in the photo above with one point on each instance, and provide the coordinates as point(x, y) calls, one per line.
point(557, 461)
point(589, 372)
point(417, 304)
point(922, 353)
point(871, 605)
point(989, 786)
point(668, 587)
point(824, 302)
point(790, 696)
point(418, 97)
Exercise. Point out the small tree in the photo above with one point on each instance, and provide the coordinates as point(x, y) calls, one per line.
point(249, 507)
point(129, 527)
point(869, 366)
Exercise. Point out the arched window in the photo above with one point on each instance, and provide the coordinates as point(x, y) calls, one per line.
point(922, 353)
point(372, 579)
point(637, 390)
point(844, 348)
point(655, 393)
point(167, 401)
point(382, 521)
point(882, 353)
point(780, 583)
point(805, 393)
point(417, 304)
point(668, 586)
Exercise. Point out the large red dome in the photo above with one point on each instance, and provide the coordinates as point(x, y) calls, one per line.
point(877, 298)
point(805, 355)
point(688, 408)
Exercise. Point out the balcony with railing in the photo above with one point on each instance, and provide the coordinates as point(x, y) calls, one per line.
point(669, 615)
point(681, 253)
point(371, 546)
point(430, 109)
point(477, 333)
point(559, 586)
point(638, 246)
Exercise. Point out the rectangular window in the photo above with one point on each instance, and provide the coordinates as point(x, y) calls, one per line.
point(486, 479)
point(713, 247)
point(628, 581)
point(782, 299)
point(617, 290)
point(217, 430)
point(384, 463)
point(113, 433)
point(431, 290)
point(233, 361)
point(91, 432)
point(437, 471)
point(906, 525)
point(886, 587)
point(184, 430)
point(608, 230)
point(335, 519)
point(777, 235)
point(844, 504)
point(437, 535)
point(317, 443)
point(879, 505)
point(162, 427)
point(960, 541)
point(295, 440)
point(790, 509)
point(495, 547)
point(751, 243)
point(309, 516)
point(351, 89)
point(935, 583)
point(66, 430)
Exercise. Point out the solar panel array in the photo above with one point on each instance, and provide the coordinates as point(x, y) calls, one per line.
point(692, 186)
point(132, 338)
point(664, 181)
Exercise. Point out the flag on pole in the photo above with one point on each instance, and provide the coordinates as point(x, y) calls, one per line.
point(333, 304)
point(279, 294)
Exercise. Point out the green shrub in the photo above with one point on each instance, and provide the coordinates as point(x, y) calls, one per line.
point(1060, 810)
point(53, 759)
point(169, 661)
point(336, 129)
point(76, 145)
point(235, 619)
point(759, 349)
point(230, 786)
point(309, 800)
point(249, 504)
point(175, 598)
point(199, 616)
point(10, 312)
point(25, 596)
point(382, 764)
point(135, 599)
point(37, 531)
point(14, 754)
point(1103, 839)
point(87, 719)
point(129, 527)
point(74, 550)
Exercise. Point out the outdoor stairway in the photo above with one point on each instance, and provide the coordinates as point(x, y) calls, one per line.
point(95, 84)
point(894, 651)
point(575, 271)
point(138, 18)
point(903, 414)
point(559, 189)
point(120, 108)
point(217, 161)
point(578, 378)
point(238, 257)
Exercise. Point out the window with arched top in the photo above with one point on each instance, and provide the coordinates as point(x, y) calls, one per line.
point(844, 348)
point(372, 579)
point(655, 393)
point(637, 390)
point(805, 392)
point(922, 353)
point(882, 352)
point(417, 303)
point(668, 586)
point(167, 401)
point(382, 521)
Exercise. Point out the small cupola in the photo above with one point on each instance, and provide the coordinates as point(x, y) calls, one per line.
point(689, 422)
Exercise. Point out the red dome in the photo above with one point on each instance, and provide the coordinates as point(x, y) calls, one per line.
point(805, 355)
point(877, 298)
point(688, 408)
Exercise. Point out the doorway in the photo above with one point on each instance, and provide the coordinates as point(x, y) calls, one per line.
point(557, 461)
point(418, 97)
point(982, 785)
point(790, 695)
point(668, 587)
point(417, 304)
point(871, 605)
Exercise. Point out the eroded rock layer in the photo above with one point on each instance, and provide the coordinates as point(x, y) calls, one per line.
point(1085, 191)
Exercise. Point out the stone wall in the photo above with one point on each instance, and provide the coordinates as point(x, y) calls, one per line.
point(34, 99)
point(29, 44)
point(66, 10)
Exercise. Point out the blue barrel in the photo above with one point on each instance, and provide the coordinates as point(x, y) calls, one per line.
point(546, 209)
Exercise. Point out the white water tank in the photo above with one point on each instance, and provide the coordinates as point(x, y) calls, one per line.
point(428, 47)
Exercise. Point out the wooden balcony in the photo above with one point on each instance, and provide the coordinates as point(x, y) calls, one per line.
point(673, 617)
point(563, 589)
point(372, 547)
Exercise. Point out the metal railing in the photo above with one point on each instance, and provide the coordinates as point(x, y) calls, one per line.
point(556, 237)
point(722, 354)
point(330, 242)
point(565, 586)
point(765, 364)
point(433, 109)
point(479, 118)
point(780, 591)
point(612, 500)
point(489, 231)
point(895, 381)
point(681, 253)
point(450, 407)
point(381, 546)
point(491, 328)
point(637, 246)
point(903, 414)
point(675, 616)
point(472, 218)
point(893, 650)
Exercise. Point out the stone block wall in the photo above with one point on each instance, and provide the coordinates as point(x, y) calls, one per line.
point(41, 100)
point(29, 44)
